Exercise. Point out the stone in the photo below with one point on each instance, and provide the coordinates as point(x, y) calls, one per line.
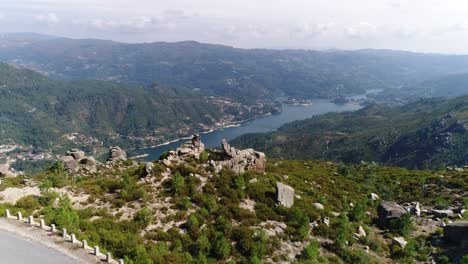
point(400, 241)
point(361, 233)
point(285, 195)
point(69, 163)
point(326, 221)
point(442, 213)
point(90, 161)
point(77, 154)
point(374, 197)
point(457, 232)
point(318, 206)
point(149, 167)
point(388, 210)
point(242, 160)
point(117, 154)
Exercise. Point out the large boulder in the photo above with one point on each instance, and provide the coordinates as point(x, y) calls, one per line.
point(285, 195)
point(75, 161)
point(457, 232)
point(117, 154)
point(76, 154)
point(241, 160)
point(388, 210)
point(69, 163)
point(442, 213)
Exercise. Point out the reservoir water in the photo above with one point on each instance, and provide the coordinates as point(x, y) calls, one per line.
point(265, 124)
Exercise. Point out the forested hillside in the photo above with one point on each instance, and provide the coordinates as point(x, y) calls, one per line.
point(38, 111)
point(428, 133)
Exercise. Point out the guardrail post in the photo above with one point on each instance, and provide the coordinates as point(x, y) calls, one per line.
point(96, 250)
point(7, 213)
point(121, 261)
point(31, 220)
point(108, 257)
point(53, 229)
point(84, 244)
point(42, 223)
point(20, 216)
point(73, 238)
point(64, 233)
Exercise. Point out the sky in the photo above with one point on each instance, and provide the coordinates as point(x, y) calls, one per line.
point(414, 25)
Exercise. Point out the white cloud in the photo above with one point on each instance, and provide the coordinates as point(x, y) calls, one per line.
point(48, 18)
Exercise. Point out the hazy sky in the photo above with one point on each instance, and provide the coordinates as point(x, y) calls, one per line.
point(417, 25)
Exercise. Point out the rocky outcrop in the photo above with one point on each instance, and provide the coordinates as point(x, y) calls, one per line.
point(6, 171)
point(285, 195)
point(75, 161)
point(388, 210)
point(193, 148)
point(117, 154)
point(457, 232)
point(241, 160)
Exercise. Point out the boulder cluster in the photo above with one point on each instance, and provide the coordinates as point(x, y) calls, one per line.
point(193, 148)
point(75, 160)
point(241, 160)
point(117, 154)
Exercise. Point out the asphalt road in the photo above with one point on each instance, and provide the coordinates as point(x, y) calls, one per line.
point(17, 250)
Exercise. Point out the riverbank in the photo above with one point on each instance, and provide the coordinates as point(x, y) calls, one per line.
point(43, 238)
point(217, 128)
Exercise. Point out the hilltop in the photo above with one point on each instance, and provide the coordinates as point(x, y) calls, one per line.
point(191, 207)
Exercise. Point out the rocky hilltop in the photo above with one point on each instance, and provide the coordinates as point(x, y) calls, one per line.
point(199, 205)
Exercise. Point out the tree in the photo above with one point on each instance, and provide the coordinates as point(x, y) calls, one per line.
point(178, 184)
point(221, 246)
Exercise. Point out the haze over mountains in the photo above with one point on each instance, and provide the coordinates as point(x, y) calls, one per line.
point(246, 74)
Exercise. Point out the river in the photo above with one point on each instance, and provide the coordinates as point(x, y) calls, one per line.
point(260, 125)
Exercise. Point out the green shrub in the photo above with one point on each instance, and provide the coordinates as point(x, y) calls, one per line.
point(28, 203)
point(402, 226)
point(311, 251)
point(143, 217)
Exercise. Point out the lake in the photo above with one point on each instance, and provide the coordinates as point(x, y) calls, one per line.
point(260, 125)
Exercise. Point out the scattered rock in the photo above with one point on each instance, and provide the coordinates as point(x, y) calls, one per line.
point(248, 204)
point(400, 241)
point(374, 197)
point(387, 210)
point(326, 221)
point(442, 213)
point(361, 233)
point(318, 206)
point(285, 195)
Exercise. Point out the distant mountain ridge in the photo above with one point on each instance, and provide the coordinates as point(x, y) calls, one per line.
point(246, 74)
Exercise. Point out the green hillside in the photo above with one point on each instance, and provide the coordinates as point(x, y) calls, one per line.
point(38, 111)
